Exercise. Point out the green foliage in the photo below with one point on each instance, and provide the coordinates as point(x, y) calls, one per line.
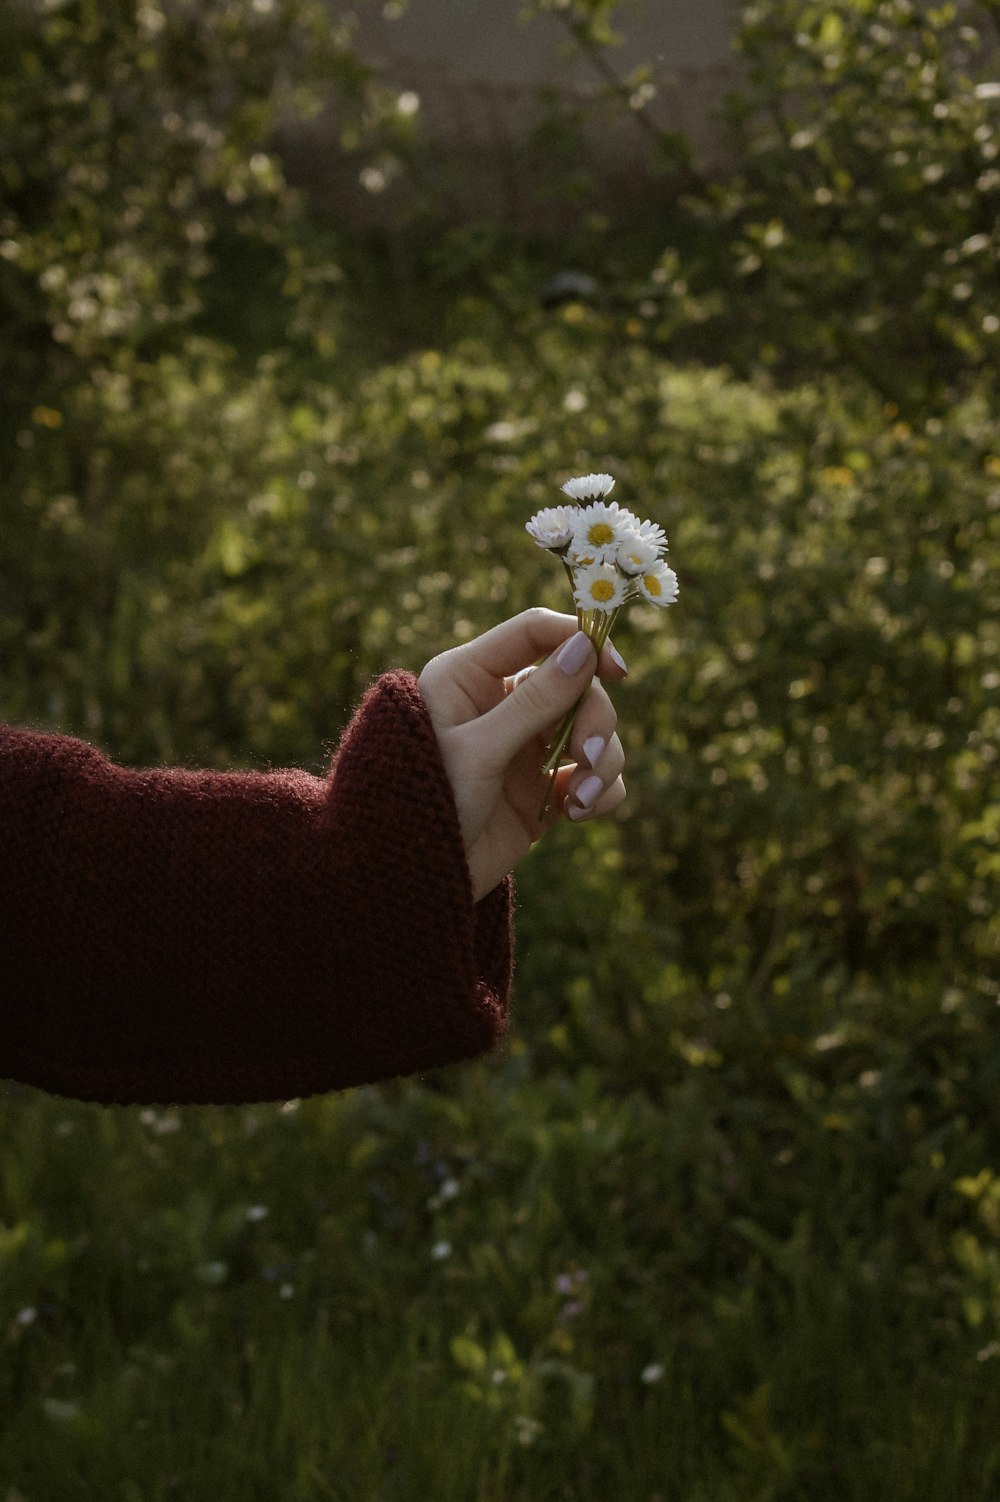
point(857, 230)
point(722, 1222)
point(590, 29)
point(138, 169)
point(864, 220)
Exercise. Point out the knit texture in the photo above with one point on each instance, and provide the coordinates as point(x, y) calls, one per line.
point(173, 936)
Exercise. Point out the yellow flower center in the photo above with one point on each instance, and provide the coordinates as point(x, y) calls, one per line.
point(600, 534)
point(602, 589)
point(653, 584)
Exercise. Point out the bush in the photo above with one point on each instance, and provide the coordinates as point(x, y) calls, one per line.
point(857, 230)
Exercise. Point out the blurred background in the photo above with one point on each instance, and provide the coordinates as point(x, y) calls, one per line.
point(303, 313)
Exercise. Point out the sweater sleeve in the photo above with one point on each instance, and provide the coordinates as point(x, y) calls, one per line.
point(176, 936)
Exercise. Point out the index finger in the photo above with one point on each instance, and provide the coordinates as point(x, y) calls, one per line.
point(526, 638)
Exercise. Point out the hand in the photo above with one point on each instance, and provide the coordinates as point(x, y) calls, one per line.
point(495, 716)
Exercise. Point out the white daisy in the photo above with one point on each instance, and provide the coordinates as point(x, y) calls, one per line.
point(599, 586)
point(658, 584)
point(651, 533)
point(598, 531)
point(589, 487)
point(634, 555)
point(553, 527)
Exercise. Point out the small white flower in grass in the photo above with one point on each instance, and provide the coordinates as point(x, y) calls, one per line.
point(212, 1273)
point(598, 531)
point(59, 1410)
point(599, 586)
point(528, 1429)
point(658, 585)
point(589, 487)
point(440, 1250)
point(652, 1373)
point(634, 555)
point(553, 527)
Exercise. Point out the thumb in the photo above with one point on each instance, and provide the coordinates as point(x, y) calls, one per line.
point(537, 702)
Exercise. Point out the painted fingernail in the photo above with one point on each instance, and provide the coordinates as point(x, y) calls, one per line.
point(617, 658)
point(587, 792)
point(592, 748)
point(574, 653)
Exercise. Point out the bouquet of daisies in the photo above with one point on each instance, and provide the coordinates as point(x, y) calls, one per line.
point(610, 558)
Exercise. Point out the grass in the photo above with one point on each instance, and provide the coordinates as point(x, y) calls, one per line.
point(489, 1286)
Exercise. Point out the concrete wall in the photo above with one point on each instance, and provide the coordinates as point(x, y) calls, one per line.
point(487, 41)
point(480, 73)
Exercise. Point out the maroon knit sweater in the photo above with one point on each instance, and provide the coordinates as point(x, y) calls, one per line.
point(195, 936)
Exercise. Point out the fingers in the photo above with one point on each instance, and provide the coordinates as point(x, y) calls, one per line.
point(610, 798)
point(522, 640)
point(469, 681)
point(517, 642)
point(595, 786)
point(537, 701)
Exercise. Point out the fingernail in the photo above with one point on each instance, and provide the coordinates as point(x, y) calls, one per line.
point(593, 747)
point(588, 791)
point(618, 659)
point(575, 812)
point(574, 653)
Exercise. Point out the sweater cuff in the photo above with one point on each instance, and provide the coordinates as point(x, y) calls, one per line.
point(391, 808)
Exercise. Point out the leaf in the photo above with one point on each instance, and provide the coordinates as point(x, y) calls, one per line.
point(831, 31)
point(468, 1354)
